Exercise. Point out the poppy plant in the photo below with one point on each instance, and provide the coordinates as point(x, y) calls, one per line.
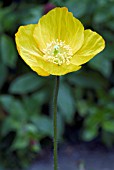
point(57, 45)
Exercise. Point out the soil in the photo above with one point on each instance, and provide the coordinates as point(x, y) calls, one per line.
point(81, 156)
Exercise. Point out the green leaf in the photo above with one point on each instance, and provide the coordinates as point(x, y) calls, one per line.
point(21, 142)
point(31, 106)
point(26, 83)
point(14, 107)
point(43, 124)
point(91, 80)
point(17, 115)
point(94, 118)
point(101, 15)
point(77, 7)
point(36, 147)
point(17, 111)
point(40, 96)
point(108, 126)
point(31, 128)
point(9, 125)
point(110, 24)
point(33, 103)
point(111, 92)
point(89, 134)
point(108, 35)
point(6, 101)
point(60, 127)
point(108, 52)
point(101, 64)
point(8, 51)
point(83, 107)
point(66, 103)
point(32, 15)
point(5, 13)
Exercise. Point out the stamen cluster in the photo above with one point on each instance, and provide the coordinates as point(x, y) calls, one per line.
point(58, 52)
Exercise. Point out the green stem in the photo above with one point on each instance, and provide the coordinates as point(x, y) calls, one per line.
point(55, 124)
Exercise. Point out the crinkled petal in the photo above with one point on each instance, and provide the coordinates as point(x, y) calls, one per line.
point(92, 45)
point(27, 48)
point(40, 71)
point(55, 69)
point(59, 24)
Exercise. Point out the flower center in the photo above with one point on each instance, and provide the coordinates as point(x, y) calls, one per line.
point(58, 52)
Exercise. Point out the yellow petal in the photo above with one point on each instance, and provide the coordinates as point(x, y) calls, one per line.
point(40, 71)
point(59, 24)
point(55, 69)
point(27, 48)
point(92, 45)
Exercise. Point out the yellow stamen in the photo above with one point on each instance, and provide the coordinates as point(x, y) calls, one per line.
point(58, 52)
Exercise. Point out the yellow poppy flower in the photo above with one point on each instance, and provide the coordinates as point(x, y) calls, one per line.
point(58, 44)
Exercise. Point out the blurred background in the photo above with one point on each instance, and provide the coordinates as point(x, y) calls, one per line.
point(86, 97)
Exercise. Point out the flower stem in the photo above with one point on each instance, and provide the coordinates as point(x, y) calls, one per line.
point(55, 123)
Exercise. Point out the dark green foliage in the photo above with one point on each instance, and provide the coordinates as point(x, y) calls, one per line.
point(26, 99)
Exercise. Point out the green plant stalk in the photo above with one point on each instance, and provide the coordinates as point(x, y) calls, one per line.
point(55, 124)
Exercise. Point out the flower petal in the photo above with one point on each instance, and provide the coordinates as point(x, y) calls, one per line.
point(27, 48)
point(40, 71)
point(59, 24)
point(55, 69)
point(92, 45)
